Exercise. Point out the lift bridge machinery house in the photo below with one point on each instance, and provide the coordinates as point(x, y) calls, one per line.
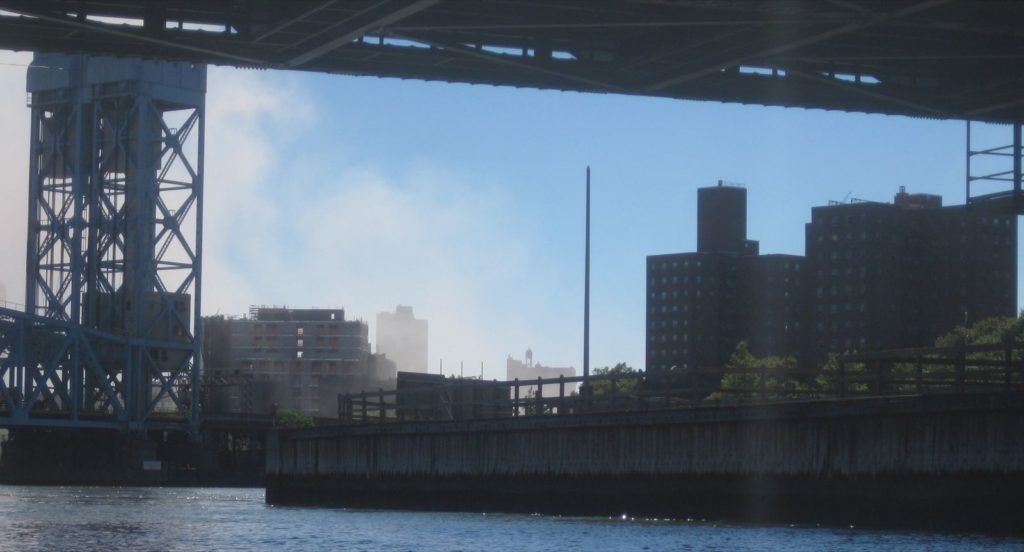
point(107, 338)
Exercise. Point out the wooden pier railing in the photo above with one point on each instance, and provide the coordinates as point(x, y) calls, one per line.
point(977, 368)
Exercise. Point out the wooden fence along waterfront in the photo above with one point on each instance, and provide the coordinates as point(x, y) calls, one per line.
point(924, 371)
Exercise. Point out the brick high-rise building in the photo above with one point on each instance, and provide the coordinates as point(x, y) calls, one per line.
point(701, 305)
point(898, 275)
point(876, 276)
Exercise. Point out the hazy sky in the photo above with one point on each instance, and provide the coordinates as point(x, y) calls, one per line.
point(466, 202)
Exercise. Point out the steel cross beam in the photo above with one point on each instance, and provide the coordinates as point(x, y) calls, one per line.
point(381, 14)
point(498, 59)
point(75, 25)
point(717, 62)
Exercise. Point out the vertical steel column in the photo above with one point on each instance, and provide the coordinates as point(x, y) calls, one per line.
point(140, 270)
point(80, 187)
point(197, 315)
point(1016, 167)
point(967, 165)
point(34, 196)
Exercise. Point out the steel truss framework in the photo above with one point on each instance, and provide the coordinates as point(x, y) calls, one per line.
point(109, 336)
point(961, 59)
point(995, 170)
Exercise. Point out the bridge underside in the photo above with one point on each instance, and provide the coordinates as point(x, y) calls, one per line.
point(929, 58)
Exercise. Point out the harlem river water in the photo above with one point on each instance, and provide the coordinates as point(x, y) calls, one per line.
point(99, 518)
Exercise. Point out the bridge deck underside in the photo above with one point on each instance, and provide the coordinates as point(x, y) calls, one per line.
point(927, 58)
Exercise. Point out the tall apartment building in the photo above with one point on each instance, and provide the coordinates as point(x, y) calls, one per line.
point(700, 305)
point(875, 276)
point(309, 355)
point(901, 274)
point(403, 337)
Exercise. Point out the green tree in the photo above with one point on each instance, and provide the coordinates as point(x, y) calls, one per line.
point(627, 380)
point(935, 369)
point(999, 329)
point(288, 419)
point(983, 367)
point(828, 382)
point(749, 376)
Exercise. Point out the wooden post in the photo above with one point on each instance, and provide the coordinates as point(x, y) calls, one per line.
point(515, 402)
point(345, 408)
point(692, 392)
point(1007, 369)
point(540, 397)
point(1020, 369)
point(561, 393)
point(920, 376)
point(363, 397)
point(763, 387)
point(399, 411)
point(668, 390)
point(841, 379)
point(383, 408)
point(876, 369)
point(459, 404)
point(961, 371)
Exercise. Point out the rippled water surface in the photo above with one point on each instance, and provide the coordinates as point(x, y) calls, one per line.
point(96, 518)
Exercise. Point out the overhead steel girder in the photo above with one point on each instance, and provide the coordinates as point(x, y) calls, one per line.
point(924, 58)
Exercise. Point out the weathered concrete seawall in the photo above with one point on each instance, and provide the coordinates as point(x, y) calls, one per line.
point(953, 462)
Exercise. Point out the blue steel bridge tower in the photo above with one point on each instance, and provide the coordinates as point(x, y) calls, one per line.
point(110, 334)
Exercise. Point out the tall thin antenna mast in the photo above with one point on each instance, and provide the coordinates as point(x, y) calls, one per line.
point(586, 292)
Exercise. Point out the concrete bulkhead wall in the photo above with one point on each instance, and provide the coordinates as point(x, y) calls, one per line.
point(945, 462)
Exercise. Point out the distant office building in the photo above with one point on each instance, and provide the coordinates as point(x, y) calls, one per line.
point(526, 370)
point(876, 276)
point(901, 274)
point(403, 338)
point(309, 355)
